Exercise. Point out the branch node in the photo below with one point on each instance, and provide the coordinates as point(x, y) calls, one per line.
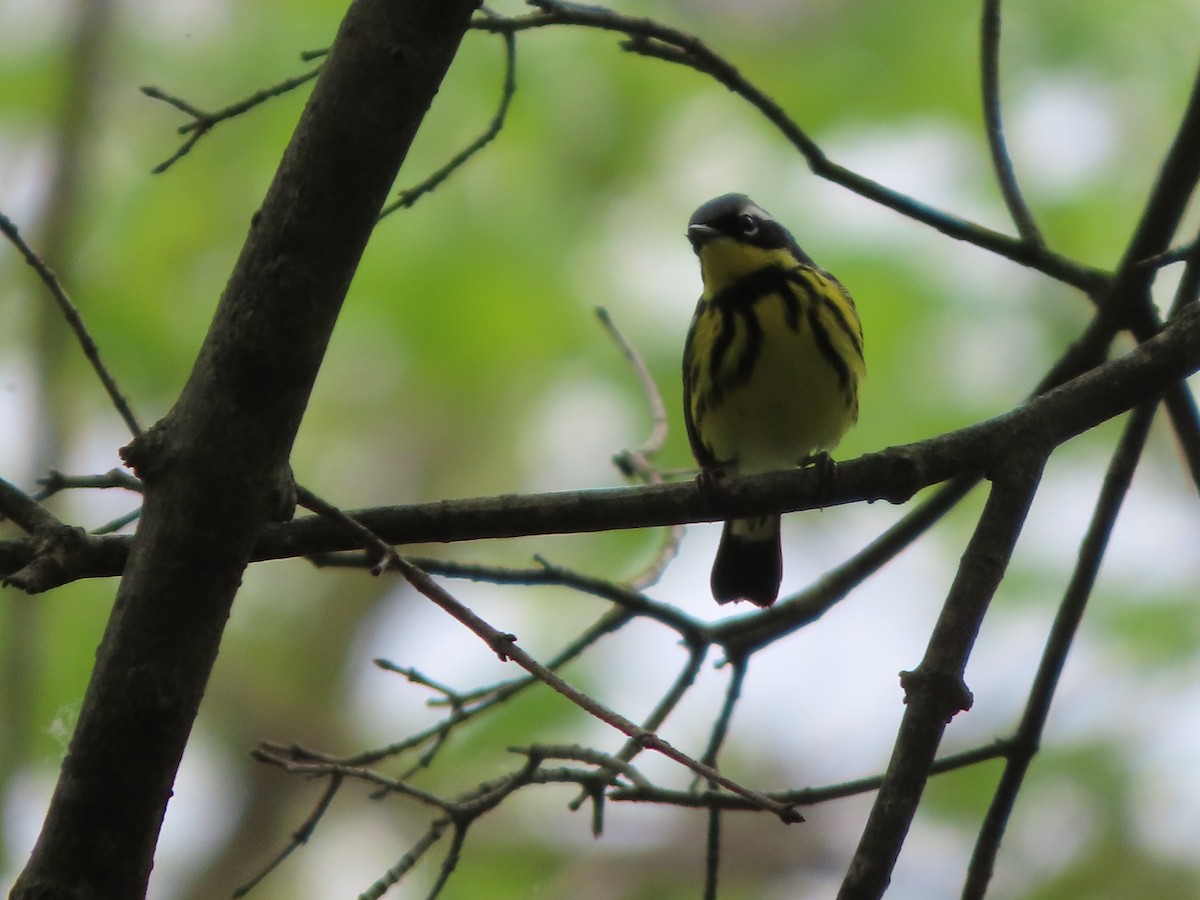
point(949, 691)
point(503, 644)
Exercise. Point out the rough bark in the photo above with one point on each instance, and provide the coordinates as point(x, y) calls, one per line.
point(215, 467)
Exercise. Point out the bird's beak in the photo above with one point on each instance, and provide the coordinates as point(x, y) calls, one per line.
point(699, 235)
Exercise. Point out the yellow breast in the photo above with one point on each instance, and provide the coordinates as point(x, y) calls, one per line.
point(774, 378)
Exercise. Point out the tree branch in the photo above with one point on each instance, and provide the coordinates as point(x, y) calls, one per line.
point(71, 313)
point(989, 58)
point(203, 122)
point(893, 475)
point(215, 470)
point(505, 647)
point(935, 691)
point(1070, 613)
point(649, 38)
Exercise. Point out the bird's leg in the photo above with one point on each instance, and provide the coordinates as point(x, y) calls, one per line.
point(709, 481)
point(826, 470)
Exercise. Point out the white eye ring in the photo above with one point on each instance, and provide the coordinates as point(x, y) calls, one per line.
point(749, 225)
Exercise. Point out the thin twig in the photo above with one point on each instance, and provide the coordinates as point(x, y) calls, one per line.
point(1179, 399)
point(55, 481)
point(301, 762)
point(114, 525)
point(712, 847)
point(671, 699)
point(649, 38)
point(75, 321)
point(462, 813)
point(637, 462)
point(408, 860)
point(733, 693)
point(505, 647)
point(576, 753)
point(1126, 303)
point(409, 196)
point(450, 861)
point(452, 697)
point(989, 57)
point(665, 706)
point(477, 702)
point(203, 122)
point(1167, 257)
point(383, 555)
point(691, 799)
point(299, 837)
point(712, 854)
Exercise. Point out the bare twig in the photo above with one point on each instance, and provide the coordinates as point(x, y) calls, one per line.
point(505, 647)
point(712, 849)
point(636, 463)
point(299, 837)
point(407, 861)
point(665, 706)
point(1126, 302)
point(576, 753)
point(409, 196)
point(204, 122)
point(649, 38)
point(691, 799)
point(476, 702)
point(1167, 257)
point(989, 57)
point(1179, 400)
point(55, 481)
point(114, 525)
point(449, 862)
point(75, 321)
point(382, 554)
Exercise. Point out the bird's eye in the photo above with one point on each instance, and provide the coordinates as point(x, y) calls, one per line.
point(748, 224)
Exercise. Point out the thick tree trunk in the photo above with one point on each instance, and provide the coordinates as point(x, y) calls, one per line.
point(216, 467)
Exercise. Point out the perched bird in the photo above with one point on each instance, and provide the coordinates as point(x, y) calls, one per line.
point(771, 369)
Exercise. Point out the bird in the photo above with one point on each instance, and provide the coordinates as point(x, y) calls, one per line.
point(771, 370)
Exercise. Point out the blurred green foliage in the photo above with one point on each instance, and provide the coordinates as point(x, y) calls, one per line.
point(468, 361)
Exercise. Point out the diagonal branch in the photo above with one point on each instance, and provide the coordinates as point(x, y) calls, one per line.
point(505, 646)
point(409, 196)
point(1062, 633)
point(75, 321)
point(934, 691)
point(215, 469)
point(649, 38)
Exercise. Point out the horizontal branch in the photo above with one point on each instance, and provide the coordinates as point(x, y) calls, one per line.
point(894, 475)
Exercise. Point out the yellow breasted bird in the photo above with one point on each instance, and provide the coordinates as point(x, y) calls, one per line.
point(771, 369)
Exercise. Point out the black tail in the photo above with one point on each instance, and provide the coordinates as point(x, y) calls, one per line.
point(749, 563)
